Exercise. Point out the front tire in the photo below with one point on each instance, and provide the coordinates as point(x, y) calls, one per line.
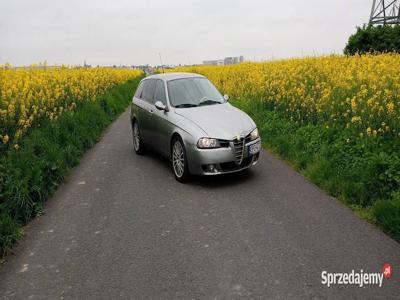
point(138, 144)
point(179, 160)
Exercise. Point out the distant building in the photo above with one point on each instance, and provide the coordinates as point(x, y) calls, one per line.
point(216, 62)
point(226, 61)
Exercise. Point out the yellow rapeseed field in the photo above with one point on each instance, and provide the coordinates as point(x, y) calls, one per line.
point(359, 92)
point(28, 95)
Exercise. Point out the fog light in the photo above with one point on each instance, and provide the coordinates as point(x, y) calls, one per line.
point(210, 168)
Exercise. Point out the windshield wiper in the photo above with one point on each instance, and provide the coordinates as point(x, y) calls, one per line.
point(209, 101)
point(185, 105)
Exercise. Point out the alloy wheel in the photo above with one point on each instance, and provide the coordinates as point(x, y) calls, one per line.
point(136, 137)
point(178, 159)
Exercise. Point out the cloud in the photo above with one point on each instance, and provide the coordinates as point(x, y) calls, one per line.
point(134, 32)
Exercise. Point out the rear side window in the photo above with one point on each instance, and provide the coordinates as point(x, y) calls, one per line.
point(148, 90)
point(139, 90)
point(159, 94)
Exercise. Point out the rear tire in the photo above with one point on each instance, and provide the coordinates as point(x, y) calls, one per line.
point(179, 160)
point(138, 145)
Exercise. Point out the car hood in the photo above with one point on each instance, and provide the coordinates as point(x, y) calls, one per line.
point(222, 121)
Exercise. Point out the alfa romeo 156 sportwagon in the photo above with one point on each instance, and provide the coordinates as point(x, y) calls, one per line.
point(184, 117)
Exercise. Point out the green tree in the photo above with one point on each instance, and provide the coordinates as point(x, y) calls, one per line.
point(371, 39)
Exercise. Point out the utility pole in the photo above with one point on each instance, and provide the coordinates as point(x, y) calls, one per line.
point(385, 12)
point(162, 66)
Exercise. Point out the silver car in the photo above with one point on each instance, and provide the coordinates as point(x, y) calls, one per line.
point(184, 117)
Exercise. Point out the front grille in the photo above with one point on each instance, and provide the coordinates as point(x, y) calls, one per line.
point(238, 149)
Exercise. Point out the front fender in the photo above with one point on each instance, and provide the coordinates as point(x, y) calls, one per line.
point(187, 130)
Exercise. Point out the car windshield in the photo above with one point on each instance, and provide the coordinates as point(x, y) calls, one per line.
point(192, 92)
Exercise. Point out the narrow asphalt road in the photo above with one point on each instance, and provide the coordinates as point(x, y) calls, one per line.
point(122, 227)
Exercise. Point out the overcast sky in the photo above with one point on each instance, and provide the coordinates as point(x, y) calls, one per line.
point(108, 32)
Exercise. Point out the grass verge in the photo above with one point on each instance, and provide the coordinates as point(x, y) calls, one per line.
point(364, 173)
point(28, 176)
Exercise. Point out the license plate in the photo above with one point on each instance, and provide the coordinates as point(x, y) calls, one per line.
point(254, 148)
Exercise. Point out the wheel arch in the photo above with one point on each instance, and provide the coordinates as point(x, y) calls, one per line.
point(173, 136)
point(183, 135)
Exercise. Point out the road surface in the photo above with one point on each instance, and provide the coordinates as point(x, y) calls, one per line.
point(122, 227)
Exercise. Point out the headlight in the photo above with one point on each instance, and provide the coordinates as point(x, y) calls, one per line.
point(254, 134)
point(206, 143)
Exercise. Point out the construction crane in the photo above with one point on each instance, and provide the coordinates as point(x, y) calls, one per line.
point(385, 12)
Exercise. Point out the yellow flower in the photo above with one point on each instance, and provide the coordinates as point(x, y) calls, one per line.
point(28, 95)
point(6, 138)
point(353, 104)
point(390, 107)
point(332, 89)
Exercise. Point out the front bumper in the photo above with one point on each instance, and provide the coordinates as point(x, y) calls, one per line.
point(222, 159)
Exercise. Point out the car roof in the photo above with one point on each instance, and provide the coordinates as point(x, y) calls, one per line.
point(173, 76)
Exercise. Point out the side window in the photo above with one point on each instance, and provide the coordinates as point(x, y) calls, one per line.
point(138, 93)
point(148, 90)
point(159, 94)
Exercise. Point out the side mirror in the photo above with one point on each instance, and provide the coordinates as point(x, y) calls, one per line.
point(160, 106)
point(226, 97)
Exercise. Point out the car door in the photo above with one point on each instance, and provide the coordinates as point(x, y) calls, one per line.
point(147, 110)
point(162, 126)
point(136, 107)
